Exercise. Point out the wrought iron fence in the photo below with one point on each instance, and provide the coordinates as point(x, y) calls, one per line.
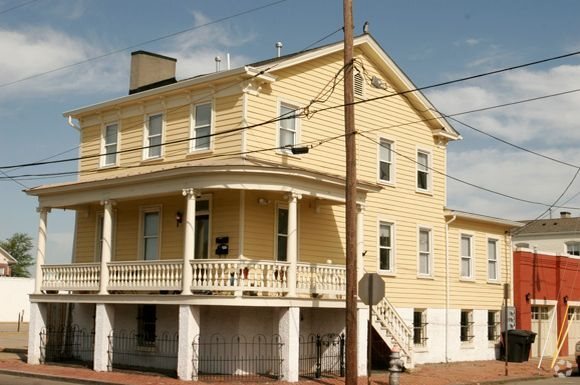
point(322, 355)
point(255, 359)
point(71, 344)
point(132, 350)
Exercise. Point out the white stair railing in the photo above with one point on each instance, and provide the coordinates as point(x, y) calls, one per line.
point(393, 329)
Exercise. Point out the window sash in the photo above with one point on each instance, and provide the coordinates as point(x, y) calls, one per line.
point(151, 222)
point(385, 160)
point(425, 251)
point(282, 234)
point(466, 257)
point(492, 262)
point(422, 170)
point(493, 324)
point(466, 326)
point(420, 328)
point(202, 127)
point(287, 126)
point(154, 135)
point(385, 246)
point(110, 139)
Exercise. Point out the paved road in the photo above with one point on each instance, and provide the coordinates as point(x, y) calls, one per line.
point(549, 381)
point(6, 379)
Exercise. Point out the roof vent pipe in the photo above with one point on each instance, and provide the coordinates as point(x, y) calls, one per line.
point(228, 61)
point(218, 61)
point(279, 46)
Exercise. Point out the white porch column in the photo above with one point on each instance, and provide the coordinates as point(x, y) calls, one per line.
point(104, 322)
point(41, 251)
point(360, 240)
point(38, 316)
point(106, 245)
point(189, 321)
point(189, 243)
point(362, 338)
point(292, 245)
point(289, 331)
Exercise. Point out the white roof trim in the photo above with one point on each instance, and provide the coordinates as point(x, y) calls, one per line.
point(7, 255)
point(482, 218)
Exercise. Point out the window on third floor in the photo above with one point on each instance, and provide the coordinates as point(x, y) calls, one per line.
point(201, 122)
point(109, 148)
point(423, 171)
point(153, 136)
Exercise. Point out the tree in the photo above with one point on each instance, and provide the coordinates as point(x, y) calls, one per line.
point(19, 246)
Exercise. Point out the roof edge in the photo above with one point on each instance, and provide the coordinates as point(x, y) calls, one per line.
point(482, 218)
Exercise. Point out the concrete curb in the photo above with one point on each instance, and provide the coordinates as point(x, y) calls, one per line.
point(57, 378)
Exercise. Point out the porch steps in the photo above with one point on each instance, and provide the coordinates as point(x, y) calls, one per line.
point(393, 330)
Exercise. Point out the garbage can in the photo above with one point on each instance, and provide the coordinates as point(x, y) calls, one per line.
point(518, 344)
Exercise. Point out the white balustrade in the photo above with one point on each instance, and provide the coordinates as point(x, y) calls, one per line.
point(145, 275)
point(321, 279)
point(235, 275)
point(386, 317)
point(78, 276)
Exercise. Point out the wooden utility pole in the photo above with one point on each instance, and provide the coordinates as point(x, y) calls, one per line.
point(350, 196)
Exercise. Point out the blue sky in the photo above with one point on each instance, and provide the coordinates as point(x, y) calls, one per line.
point(432, 41)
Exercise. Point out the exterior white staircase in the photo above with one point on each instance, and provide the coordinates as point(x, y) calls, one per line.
point(393, 330)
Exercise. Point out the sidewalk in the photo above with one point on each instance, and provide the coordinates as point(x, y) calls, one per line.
point(13, 360)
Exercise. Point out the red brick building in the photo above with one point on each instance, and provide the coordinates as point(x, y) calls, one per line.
point(545, 285)
point(6, 260)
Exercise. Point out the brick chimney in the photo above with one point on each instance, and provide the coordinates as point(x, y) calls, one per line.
point(150, 70)
point(565, 214)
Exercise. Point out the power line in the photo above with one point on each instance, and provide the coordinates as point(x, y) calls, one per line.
point(110, 53)
point(17, 6)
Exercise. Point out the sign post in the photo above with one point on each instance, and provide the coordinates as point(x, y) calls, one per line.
point(371, 290)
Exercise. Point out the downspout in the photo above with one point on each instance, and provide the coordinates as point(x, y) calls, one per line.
point(72, 124)
point(446, 332)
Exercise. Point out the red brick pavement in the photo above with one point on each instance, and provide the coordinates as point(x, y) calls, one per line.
point(432, 374)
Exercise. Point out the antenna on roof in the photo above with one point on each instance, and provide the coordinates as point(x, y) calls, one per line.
point(218, 61)
point(279, 46)
point(366, 27)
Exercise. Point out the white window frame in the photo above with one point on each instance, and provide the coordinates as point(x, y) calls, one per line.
point(290, 105)
point(284, 206)
point(208, 198)
point(141, 247)
point(575, 244)
point(103, 161)
point(194, 127)
point(468, 257)
point(147, 137)
point(469, 337)
point(497, 260)
point(422, 342)
point(391, 248)
point(390, 162)
point(429, 252)
point(428, 171)
point(495, 327)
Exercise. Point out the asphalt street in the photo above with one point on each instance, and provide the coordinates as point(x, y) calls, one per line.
point(548, 381)
point(6, 379)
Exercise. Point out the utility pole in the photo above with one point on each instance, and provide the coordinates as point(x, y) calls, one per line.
point(350, 196)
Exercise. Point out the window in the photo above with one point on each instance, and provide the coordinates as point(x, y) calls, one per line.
point(492, 262)
point(358, 84)
point(288, 126)
point(146, 325)
point(540, 312)
point(573, 313)
point(573, 248)
point(385, 246)
point(151, 232)
point(466, 333)
point(201, 121)
point(2, 271)
point(423, 175)
point(466, 256)
point(282, 234)
point(385, 161)
point(493, 325)
point(201, 249)
point(154, 136)
point(110, 141)
point(420, 327)
point(424, 251)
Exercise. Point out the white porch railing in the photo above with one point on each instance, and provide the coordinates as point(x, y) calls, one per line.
point(320, 279)
point(78, 276)
point(389, 324)
point(145, 275)
point(238, 275)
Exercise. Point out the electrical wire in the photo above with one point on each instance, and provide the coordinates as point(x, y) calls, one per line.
point(2, 12)
point(164, 37)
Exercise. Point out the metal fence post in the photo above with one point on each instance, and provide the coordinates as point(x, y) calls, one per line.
point(318, 356)
point(342, 355)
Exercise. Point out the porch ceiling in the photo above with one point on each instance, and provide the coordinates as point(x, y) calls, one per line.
point(237, 174)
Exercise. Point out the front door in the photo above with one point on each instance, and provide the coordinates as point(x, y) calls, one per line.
point(541, 318)
point(202, 232)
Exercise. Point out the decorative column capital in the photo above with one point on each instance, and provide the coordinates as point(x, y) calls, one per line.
point(189, 192)
point(360, 207)
point(110, 202)
point(293, 196)
point(42, 209)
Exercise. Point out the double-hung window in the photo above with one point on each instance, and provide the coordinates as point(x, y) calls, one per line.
point(425, 252)
point(492, 262)
point(573, 248)
point(201, 127)
point(110, 144)
point(420, 327)
point(423, 173)
point(466, 327)
point(150, 234)
point(287, 126)
point(386, 246)
point(493, 324)
point(385, 161)
point(154, 136)
point(466, 256)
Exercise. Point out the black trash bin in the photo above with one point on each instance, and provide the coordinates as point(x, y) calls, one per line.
point(518, 343)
